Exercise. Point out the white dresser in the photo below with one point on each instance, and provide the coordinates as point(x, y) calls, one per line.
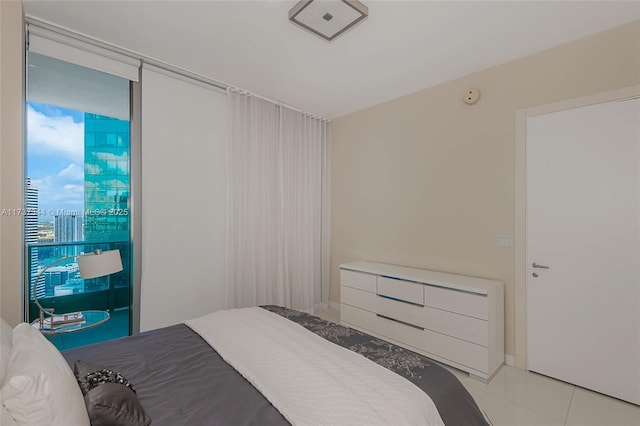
point(454, 319)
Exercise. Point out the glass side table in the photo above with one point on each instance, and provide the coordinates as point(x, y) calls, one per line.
point(91, 319)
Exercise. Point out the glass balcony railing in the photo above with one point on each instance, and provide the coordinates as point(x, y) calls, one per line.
point(61, 287)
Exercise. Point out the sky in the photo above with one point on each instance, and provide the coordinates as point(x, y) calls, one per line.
point(55, 157)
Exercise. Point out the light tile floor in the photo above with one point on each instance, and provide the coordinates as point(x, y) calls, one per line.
point(519, 398)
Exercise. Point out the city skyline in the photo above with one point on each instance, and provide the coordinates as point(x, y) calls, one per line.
point(80, 161)
point(55, 158)
point(31, 233)
point(79, 164)
point(75, 179)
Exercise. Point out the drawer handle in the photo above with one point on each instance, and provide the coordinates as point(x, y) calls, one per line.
point(474, 293)
point(395, 299)
point(400, 279)
point(401, 322)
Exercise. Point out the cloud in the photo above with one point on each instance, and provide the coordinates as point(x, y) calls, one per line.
point(58, 193)
point(55, 133)
point(121, 161)
point(71, 188)
point(107, 184)
point(92, 169)
point(72, 172)
point(122, 164)
point(109, 156)
point(43, 185)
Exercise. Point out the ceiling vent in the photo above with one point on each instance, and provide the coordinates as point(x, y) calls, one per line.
point(328, 19)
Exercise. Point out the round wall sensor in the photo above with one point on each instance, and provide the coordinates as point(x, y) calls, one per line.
point(471, 96)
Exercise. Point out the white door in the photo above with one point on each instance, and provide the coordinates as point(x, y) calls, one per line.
point(583, 222)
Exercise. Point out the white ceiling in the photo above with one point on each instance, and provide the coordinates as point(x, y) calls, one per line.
point(403, 46)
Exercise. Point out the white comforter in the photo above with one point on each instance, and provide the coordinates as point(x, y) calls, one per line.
point(310, 380)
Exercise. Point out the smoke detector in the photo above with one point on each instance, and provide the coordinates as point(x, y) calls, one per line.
point(471, 96)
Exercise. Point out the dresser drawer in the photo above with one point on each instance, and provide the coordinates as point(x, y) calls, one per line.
point(356, 317)
point(473, 305)
point(426, 341)
point(459, 326)
point(462, 327)
point(412, 314)
point(400, 289)
point(359, 298)
point(359, 280)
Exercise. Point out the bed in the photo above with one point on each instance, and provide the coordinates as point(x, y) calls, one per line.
point(180, 379)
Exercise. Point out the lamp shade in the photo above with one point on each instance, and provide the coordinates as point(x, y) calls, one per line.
point(99, 264)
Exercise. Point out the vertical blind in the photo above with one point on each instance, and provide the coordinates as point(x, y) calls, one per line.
point(184, 198)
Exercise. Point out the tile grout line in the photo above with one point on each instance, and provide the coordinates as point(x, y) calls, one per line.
point(509, 401)
point(566, 417)
point(495, 395)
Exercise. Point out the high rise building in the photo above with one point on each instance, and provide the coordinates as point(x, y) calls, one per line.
point(68, 227)
point(106, 178)
point(54, 277)
point(106, 198)
point(31, 234)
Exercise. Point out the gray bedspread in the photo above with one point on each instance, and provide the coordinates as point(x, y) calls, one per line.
point(181, 380)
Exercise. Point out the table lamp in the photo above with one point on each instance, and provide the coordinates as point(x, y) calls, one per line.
point(92, 265)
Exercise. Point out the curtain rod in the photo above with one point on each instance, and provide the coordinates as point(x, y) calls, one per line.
point(30, 20)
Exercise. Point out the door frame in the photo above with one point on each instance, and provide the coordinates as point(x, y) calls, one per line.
point(521, 267)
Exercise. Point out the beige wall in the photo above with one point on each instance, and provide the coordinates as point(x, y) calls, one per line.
point(428, 181)
point(11, 158)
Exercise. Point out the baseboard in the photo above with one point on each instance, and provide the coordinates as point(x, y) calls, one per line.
point(334, 305)
point(510, 360)
point(321, 306)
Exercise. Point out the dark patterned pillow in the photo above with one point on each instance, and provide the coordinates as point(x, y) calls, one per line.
point(111, 404)
point(80, 370)
point(90, 375)
point(109, 397)
point(104, 375)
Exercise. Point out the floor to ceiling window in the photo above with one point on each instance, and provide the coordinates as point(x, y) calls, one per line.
point(77, 191)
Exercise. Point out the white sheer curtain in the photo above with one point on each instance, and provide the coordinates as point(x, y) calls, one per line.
point(278, 222)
